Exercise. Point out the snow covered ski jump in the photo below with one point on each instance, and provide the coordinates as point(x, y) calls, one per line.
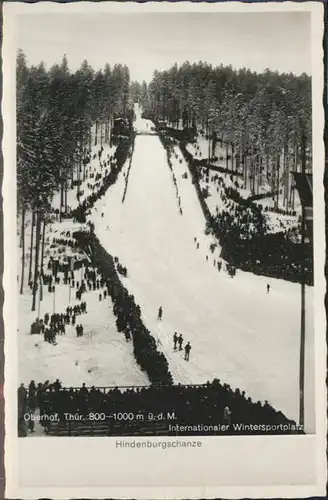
point(162, 248)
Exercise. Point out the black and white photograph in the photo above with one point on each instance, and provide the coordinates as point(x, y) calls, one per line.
point(164, 226)
point(165, 250)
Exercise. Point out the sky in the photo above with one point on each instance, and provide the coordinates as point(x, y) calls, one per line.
point(146, 41)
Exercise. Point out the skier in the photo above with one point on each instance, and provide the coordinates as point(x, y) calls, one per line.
point(187, 351)
point(268, 288)
point(175, 340)
point(180, 342)
point(160, 313)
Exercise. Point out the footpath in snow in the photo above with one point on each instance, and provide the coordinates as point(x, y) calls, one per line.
point(238, 333)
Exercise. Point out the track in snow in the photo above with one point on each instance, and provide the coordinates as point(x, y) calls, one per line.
point(238, 332)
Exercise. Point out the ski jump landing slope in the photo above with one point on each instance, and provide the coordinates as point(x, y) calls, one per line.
point(238, 333)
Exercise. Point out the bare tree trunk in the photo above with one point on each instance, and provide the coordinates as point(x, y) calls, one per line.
point(96, 133)
point(61, 192)
point(23, 249)
point(42, 256)
point(109, 125)
point(287, 179)
point(257, 174)
point(253, 174)
point(232, 155)
point(295, 168)
point(82, 158)
point(79, 170)
point(284, 175)
point(278, 180)
point(273, 162)
point(37, 252)
point(31, 249)
point(20, 234)
point(42, 247)
point(241, 158)
point(252, 170)
point(246, 157)
point(66, 189)
point(267, 164)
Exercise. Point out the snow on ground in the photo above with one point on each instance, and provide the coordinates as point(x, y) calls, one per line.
point(102, 356)
point(238, 332)
point(141, 125)
point(200, 150)
point(275, 222)
point(92, 169)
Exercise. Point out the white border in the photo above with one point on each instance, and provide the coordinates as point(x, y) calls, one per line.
point(238, 467)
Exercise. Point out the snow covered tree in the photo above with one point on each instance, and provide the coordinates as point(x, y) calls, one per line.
point(55, 113)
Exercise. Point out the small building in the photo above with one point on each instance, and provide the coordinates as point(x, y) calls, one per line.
point(121, 126)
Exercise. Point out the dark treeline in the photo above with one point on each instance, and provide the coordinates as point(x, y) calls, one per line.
point(263, 120)
point(56, 113)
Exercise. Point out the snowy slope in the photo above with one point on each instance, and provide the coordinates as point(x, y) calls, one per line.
point(238, 332)
point(92, 168)
point(275, 222)
point(102, 356)
point(141, 125)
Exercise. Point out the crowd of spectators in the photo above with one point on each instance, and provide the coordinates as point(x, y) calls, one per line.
point(120, 156)
point(242, 232)
point(209, 404)
point(55, 324)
